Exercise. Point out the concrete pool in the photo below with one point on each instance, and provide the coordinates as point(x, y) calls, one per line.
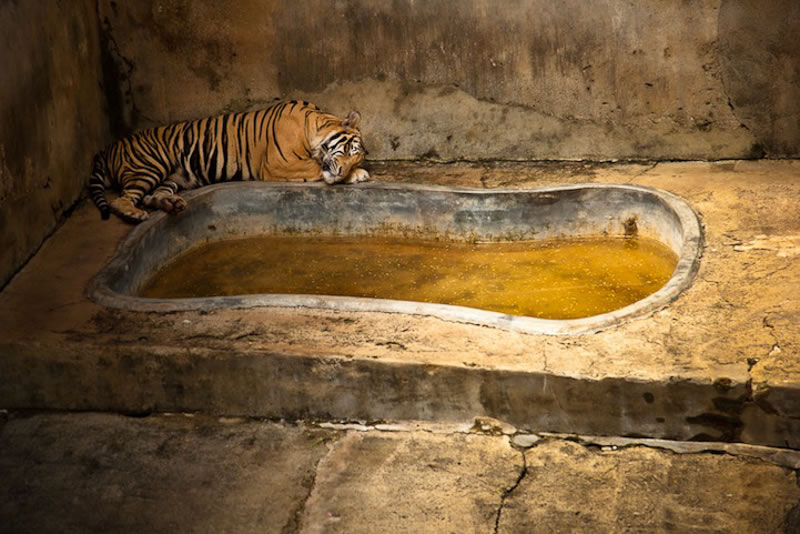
point(716, 364)
point(432, 213)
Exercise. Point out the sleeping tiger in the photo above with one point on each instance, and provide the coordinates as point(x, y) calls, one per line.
point(287, 141)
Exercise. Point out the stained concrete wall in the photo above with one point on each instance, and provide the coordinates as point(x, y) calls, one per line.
point(479, 79)
point(52, 118)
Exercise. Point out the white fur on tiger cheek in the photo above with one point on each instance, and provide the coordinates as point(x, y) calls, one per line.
point(342, 173)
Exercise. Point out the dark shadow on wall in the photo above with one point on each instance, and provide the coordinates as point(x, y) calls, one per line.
point(760, 60)
point(116, 71)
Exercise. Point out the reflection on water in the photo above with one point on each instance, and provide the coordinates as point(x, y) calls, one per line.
point(558, 279)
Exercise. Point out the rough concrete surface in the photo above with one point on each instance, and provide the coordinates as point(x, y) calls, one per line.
point(419, 482)
point(109, 473)
point(106, 473)
point(52, 119)
point(571, 488)
point(476, 79)
point(719, 364)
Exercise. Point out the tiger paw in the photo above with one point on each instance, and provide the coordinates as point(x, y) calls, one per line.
point(172, 204)
point(357, 175)
point(127, 210)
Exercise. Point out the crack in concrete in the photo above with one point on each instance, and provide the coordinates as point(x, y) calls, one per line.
point(508, 491)
point(641, 173)
point(758, 150)
point(115, 53)
point(776, 345)
point(733, 110)
point(295, 523)
point(545, 367)
point(733, 240)
point(57, 224)
point(782, 457)
point(771, 273)
point(785, 458)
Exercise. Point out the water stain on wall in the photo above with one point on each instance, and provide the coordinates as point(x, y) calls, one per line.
point(622, 81)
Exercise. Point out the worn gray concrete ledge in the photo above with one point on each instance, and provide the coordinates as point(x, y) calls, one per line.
point(718, 364)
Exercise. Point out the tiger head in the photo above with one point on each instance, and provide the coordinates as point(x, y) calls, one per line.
point(341, 150)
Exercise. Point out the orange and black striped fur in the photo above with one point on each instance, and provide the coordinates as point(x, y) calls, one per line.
point(287, 141)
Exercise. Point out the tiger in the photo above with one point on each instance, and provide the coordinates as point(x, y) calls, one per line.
point(288, 141)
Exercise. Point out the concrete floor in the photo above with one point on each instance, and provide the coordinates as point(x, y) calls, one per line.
point(718, 365)
point(93, 472)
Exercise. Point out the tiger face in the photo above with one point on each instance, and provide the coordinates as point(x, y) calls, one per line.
point(342, 151)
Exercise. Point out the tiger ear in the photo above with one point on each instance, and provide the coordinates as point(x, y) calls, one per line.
point(353, 120)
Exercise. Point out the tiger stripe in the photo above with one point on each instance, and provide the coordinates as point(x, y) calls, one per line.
point(287, 141)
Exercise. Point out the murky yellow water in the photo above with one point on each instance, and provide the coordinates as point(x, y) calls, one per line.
point(563, 279)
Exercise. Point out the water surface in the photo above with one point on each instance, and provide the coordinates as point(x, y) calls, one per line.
point(557, 279)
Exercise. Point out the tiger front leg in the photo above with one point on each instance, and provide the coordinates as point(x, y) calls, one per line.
point(164, 197)
point(357, 175)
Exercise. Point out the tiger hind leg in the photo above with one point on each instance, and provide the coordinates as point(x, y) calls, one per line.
point(126, 206)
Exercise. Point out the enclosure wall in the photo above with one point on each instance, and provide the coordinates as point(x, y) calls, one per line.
point(52, 118)
point(481, 79)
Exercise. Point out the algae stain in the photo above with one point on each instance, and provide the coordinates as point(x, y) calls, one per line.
point(556, 279)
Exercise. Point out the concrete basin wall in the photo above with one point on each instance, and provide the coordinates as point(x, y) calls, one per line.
point(717, 364)
point(241, 210)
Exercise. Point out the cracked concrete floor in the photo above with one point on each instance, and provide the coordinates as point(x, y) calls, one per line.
point(90, 472)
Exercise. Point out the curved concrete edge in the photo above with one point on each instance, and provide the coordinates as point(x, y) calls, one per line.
point(99, 289)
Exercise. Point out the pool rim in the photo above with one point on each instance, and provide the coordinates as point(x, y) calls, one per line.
point(99, 289)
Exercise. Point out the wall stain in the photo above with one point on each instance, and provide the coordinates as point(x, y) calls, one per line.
point(116, 71)
point(208, 57)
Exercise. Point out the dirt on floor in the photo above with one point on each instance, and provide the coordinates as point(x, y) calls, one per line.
point(191, 473)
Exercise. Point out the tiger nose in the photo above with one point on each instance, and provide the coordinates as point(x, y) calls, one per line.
point(326, 166)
